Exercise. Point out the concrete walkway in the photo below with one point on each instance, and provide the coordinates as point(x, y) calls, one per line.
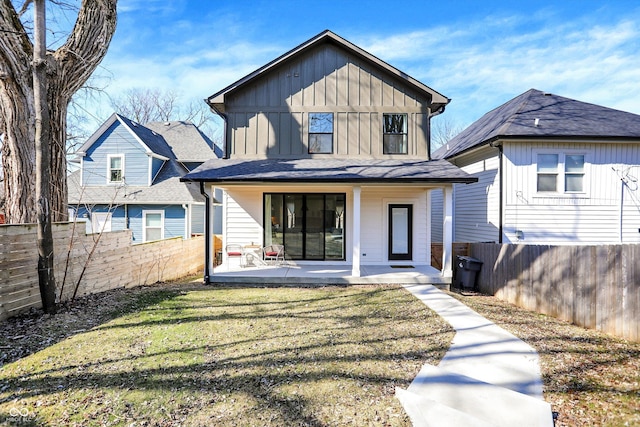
point(488, 377)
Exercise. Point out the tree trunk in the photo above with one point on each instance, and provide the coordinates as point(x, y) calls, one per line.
point(43, 153)
point(68, 68)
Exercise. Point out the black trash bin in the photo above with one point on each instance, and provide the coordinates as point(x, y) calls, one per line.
point(467, 271)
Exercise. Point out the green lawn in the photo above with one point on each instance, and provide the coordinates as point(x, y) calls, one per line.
point(232, 357)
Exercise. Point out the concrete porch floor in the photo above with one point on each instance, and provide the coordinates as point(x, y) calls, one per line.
point(291, 273)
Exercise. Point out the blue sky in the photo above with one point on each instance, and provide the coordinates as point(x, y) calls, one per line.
point(478, 53)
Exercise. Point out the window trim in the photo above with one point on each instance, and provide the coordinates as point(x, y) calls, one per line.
point(309, 133)
point(405, 134)
point(561, 173)
point(113, 156)
point(144, 224)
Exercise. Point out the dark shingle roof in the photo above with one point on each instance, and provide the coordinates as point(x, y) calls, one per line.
point(557, 117)
point(188, 143)
point(328, 170)
point(167, 188)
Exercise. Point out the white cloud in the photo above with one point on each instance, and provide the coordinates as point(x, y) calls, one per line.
point(480, 64)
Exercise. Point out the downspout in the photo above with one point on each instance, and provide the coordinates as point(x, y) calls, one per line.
point(187, 220)
point(225, 145)
point(501, 189)
point(207, 237)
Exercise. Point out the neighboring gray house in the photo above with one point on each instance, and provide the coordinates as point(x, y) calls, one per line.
point(129, 177)
point(327, 153)
point(550, 170)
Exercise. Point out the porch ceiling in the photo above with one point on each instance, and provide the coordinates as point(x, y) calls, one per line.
point(329, 170)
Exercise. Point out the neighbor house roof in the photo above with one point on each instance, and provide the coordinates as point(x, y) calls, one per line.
point(167, 188)
point(152, 143)
point(328, 171)
point(188, 143)
point(174, 143)
point(438, 100)
point(536, 114)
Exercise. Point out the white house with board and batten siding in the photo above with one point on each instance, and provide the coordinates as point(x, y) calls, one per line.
point(551, 170)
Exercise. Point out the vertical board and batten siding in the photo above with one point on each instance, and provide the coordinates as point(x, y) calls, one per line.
point(115, 140)
point(596, 287)
point(116, 263)
point(592, 217)
point(270, 117)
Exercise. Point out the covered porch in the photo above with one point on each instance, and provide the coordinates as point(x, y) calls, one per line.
point(290, 273)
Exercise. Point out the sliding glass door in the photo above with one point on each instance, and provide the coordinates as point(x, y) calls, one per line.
point(310, 226)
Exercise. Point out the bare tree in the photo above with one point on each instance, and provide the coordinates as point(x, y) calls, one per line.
point(443, 130)
point(154, 105)
point(67, 68)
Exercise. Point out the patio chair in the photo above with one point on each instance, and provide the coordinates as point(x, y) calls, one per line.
point(273, 254)
point(235, 251)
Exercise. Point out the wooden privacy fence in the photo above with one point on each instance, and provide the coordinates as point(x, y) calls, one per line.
point(114, 263)
point(596, 287)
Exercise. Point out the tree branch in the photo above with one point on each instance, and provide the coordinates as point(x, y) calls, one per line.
point(87, 44)
point(16, 50)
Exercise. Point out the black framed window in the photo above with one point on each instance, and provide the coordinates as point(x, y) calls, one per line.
point(394, 138)
point(309, 225)
point(320, 133)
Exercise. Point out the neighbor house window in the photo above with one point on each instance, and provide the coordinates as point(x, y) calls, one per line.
point(115, 172)
point(560, 173)
point(101, 222)
point(320, 133)
point(394, 139)
point(153, 225)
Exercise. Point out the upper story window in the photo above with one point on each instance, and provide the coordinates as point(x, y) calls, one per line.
point(115, 168)
point(320, 133)
point(560, 173)
point(394, 139)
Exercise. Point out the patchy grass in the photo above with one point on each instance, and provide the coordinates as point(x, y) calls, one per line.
point(590, 378)
point(224, 357)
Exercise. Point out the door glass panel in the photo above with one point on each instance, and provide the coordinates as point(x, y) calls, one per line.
point(314, 236)
point(400, 232)
point(400, 224)
point(334, 226)
point(274, 219)
point(294, 225)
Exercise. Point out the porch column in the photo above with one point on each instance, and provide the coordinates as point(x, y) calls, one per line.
point(355, 220)
point(447, 231)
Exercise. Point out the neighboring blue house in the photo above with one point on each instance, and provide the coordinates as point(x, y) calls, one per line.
point(129, 177)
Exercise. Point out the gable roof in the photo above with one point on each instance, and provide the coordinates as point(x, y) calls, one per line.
point(328, 171)
point(536, 114)
point(187, 142)
point(153, 144)
point(216, 101)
